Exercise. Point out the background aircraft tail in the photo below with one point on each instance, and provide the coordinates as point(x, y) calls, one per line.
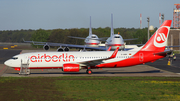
point(158, 41)
point(112, 30)
point(90, 29)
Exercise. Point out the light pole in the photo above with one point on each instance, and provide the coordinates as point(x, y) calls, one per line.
point(162, 17)
point(148, 26)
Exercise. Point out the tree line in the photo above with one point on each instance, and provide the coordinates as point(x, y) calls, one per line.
point(61, 35)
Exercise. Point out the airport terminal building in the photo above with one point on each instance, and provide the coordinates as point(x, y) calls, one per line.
point(174, 38)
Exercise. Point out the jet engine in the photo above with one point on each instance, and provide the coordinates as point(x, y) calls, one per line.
point(60, 49)
point(66, 49)
point(69, 67)
point(46, 47)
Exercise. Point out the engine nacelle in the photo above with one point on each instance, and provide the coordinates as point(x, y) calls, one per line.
point(69, 67)
point(60, 49)
point(66, 49)
point(46, 47)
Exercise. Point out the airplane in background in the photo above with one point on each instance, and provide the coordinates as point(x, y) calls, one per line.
point(153, 50)
point(91, 42)
point(115, 40)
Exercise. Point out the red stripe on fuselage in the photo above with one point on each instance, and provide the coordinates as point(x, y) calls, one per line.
point(92, 43)
point(115, 44)
point(134, 60)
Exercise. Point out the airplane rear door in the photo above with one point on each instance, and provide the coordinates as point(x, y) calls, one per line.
point(141, 57)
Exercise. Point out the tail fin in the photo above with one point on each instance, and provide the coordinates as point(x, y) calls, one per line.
point(112, 30)
point(158, 41)
point(90, 30)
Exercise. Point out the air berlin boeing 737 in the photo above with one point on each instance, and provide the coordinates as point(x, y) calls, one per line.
point(153, 50)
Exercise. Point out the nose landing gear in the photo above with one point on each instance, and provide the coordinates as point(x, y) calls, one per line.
point(89, 71)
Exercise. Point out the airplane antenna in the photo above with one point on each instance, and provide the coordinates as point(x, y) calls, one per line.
point(90, 30)
point(112, 30)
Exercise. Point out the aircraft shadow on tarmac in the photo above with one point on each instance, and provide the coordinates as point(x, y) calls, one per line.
point(151, 71)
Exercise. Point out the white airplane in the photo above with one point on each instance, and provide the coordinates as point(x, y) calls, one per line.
point(153, 50)
point(92, 40)
point(115, 40)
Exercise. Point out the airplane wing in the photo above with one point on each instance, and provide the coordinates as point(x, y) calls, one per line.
point(168, 51)
point(100, 39)
point(99, 61)
point(130, 39)
point(76, 37)
point(171, 46)
point(103, 39)
point(41, 43)
point(66, 45)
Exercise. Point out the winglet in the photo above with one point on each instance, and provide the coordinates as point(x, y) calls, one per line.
point(114, 54)
point(109, 48)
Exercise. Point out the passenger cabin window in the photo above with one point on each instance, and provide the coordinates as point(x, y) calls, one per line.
point(116, 36)
point(14, 58)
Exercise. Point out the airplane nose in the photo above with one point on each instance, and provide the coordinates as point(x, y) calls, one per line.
point(7, 63)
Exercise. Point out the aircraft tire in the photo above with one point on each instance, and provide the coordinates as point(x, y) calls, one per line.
point(89, 71)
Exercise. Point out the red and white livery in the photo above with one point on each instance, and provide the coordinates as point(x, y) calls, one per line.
point(153, 50)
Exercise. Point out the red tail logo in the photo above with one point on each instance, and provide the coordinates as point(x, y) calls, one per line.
point(161, 37)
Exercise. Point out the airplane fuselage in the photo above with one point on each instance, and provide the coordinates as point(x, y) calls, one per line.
point(55, 60)
point(115, 41)
point(92, 40)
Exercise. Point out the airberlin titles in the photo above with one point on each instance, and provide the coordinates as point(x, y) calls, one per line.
point(53, 58)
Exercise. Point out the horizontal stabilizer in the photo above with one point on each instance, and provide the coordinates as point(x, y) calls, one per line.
point(171, 46)
point(164, 53)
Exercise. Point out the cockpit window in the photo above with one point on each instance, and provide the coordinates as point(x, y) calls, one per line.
point(93, 36)
point(116, 36)
point(14, 58)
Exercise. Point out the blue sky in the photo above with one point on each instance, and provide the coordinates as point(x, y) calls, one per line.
point(53, 14)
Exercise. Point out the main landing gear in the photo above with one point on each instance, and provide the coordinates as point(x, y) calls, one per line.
point(89, 71)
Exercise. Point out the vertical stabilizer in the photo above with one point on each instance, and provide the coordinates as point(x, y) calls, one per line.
point(112, 30)
point(158, 41)
point(90, 30)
